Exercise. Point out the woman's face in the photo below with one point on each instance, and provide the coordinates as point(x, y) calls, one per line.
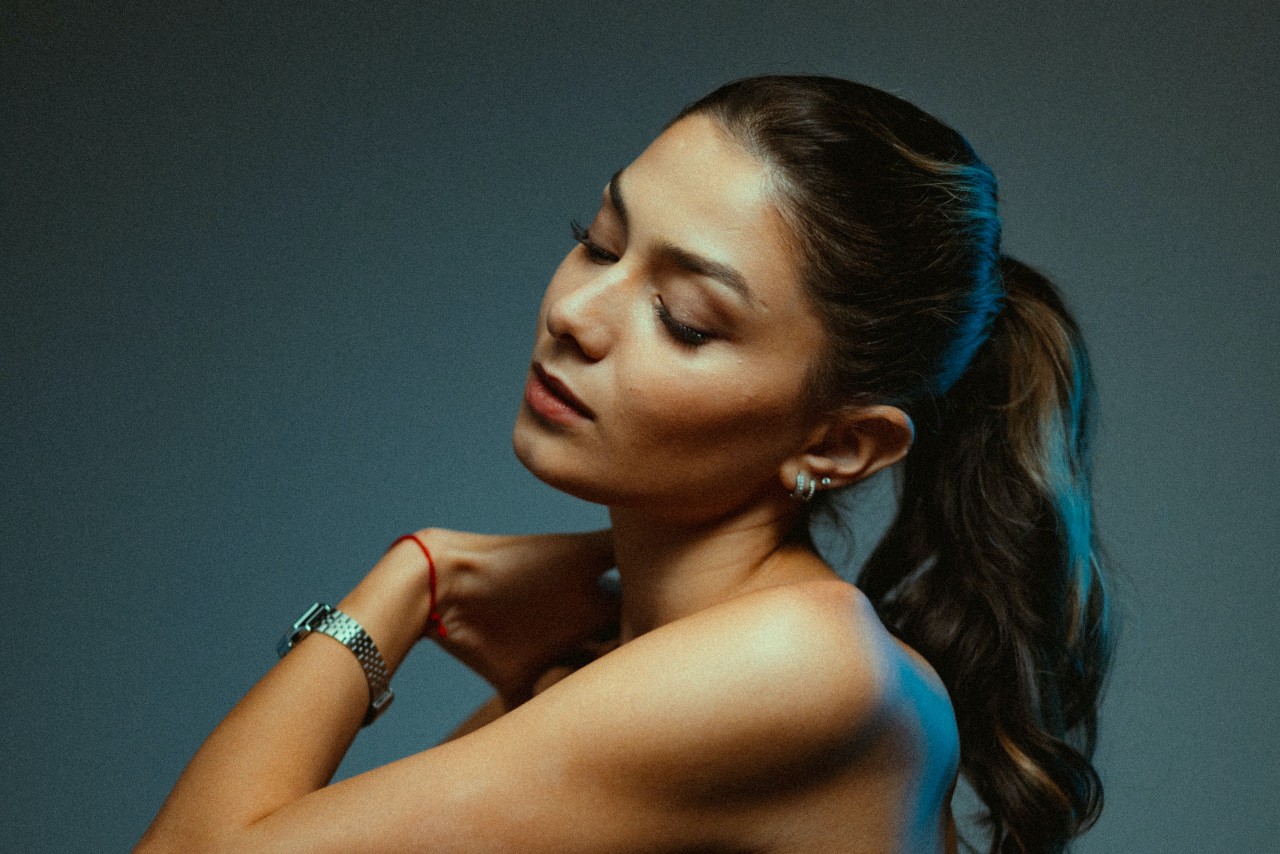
point(674, 342)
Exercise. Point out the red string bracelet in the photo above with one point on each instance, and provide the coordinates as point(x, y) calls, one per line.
point(433, 616)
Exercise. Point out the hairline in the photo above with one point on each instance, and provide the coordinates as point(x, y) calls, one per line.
point(818, 392)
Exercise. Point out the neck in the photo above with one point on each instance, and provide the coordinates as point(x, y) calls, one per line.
point(670, 570)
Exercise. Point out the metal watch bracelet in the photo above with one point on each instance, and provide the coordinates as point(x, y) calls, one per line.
point(328, 620)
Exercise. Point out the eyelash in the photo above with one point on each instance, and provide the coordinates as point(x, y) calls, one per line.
point(686, 335)
point(595, 251)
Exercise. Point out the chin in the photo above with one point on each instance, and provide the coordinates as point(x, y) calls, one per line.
point(536, 452)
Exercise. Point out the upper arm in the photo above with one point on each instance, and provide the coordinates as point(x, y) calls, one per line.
point(641, 750)
point(486, 714)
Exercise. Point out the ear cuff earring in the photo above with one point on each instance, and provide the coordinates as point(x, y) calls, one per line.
point(807, 486)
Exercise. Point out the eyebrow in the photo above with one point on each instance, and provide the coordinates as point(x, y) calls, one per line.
point(684, 259)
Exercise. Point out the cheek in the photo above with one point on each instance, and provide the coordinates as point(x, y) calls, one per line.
point(729, 411)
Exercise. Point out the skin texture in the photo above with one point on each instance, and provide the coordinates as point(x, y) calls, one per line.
point(750, 701)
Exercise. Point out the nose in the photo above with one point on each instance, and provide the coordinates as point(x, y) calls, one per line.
point(582, 315)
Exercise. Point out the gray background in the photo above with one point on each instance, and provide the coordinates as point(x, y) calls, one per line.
point(269, 277)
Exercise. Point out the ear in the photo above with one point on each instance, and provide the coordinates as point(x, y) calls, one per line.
point(851, 445)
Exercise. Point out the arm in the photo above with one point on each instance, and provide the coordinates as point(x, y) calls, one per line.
point(286, 737)
point(626, 754)
point(516, 607)
point(486, 714)
point(514, 604)
point(496, 707)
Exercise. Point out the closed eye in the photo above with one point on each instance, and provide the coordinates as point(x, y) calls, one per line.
point(681, 332)
point(595, 251)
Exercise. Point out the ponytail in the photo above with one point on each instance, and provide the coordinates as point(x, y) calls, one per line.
point(991, 569)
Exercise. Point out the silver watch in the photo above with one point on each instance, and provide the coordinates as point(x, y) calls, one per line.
point(328, 620)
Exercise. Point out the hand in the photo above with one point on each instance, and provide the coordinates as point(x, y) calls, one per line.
point(516, 605)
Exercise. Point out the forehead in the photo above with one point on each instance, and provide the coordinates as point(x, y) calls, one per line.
point(698, 189)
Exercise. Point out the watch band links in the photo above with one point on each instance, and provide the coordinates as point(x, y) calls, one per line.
point(328, 620)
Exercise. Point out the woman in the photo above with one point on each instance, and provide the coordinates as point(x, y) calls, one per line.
point(795, 286)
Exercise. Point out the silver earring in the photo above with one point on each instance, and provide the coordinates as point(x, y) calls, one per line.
point(805, 487)
point(826, 482)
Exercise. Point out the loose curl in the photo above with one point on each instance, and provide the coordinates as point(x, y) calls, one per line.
point(991, 568)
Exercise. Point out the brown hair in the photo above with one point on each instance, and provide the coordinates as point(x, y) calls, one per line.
point(991, 567)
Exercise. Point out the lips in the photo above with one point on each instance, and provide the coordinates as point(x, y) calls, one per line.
point(550, 397)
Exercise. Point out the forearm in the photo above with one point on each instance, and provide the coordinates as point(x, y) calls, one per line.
point(290, 732)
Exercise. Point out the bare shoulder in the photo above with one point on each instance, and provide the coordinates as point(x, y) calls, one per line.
point(819, 673)
point(821, 636)
point(840, 696)
point(820, 644)
point(755, 690)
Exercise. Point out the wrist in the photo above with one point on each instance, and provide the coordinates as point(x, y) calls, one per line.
point(327, 620)
point(434, 624)
point(393, 601)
